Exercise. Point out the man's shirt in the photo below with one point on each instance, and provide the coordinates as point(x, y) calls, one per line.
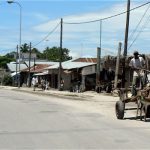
point(137, 64)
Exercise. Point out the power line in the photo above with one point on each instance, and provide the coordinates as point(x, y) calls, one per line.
point(107, 17)
point(39, 41)
point(3, 50)
point(47, 35)
point(84, 23)
point(132, 34)
point(142, 28)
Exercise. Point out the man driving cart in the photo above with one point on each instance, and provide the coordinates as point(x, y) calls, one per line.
point(137, 63)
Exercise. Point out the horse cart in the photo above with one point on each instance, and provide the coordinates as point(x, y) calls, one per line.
point(141, 101)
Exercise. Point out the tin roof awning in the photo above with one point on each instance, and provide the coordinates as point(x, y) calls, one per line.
point(41, 74)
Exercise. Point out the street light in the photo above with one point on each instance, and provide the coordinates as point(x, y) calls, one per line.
point(20, 7)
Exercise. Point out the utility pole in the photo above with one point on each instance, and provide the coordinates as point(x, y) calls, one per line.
point(126, 41)
point(99, 57)
point(60, 57)
point(127, 29)
point(20, 38)
point(29, 83)
point(117, 65)
point(34, 63)
point(16, 78)
point(98, 66)
point(99, 50)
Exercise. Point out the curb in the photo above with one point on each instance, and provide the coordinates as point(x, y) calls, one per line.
point(71, 96)
point(64, 96)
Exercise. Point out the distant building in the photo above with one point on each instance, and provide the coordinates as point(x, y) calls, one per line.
point(25, 56)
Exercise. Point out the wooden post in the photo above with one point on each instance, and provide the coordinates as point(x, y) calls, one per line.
point(16, 76)
point(127, 28)
point(34, 63)
point(29, 83)
point(117, 65)
point(98, 66)
point(126, 42)
point(60, 59)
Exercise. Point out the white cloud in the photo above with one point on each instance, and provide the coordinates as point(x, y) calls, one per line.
point(88, 34)
point(74, 54)
point(114, 23)
point(46, 27)
point(41, 16)
point(36, 15)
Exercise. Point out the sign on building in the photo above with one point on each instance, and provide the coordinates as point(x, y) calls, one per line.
point(89, 70)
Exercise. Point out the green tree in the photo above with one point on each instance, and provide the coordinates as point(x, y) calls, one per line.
point(53, 54)
point(24, 48)
point(4, 60)
point(11, 55)
point(38, 53)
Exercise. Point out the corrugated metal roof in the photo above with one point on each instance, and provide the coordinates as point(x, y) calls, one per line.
point(37, 68)
point(89, 60)
point(12, 66)
point(71, 65)
point(41, 74)
point(41, 62)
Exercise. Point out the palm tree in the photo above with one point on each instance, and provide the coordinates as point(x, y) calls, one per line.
point(24, 48)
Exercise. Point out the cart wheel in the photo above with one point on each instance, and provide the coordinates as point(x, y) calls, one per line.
point(120, 106)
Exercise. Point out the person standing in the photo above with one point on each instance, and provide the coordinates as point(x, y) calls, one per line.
point(137, 63)
point(47, 85)
point(61, 84)
point(34, 82)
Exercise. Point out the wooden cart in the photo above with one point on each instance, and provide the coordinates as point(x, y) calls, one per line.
point(142, 102)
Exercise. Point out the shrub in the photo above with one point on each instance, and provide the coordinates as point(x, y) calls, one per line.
point(7, 80)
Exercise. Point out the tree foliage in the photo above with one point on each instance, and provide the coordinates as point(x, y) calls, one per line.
point(24, 48)
point(7, 80)
point(4, 60)
point(37, 52)
point(11, 55)
point(53, 54)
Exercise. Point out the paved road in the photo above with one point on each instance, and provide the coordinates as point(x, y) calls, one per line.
point(35, 122)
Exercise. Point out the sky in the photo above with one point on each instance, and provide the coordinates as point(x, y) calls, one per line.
point(41, 18)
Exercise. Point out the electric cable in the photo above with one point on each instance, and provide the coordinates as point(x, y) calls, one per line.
point(134, 31)
point(142, 28)
point(47, 35)
point(109, 16)
point(87, 22)
point(42, 39)
point(3, 50)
